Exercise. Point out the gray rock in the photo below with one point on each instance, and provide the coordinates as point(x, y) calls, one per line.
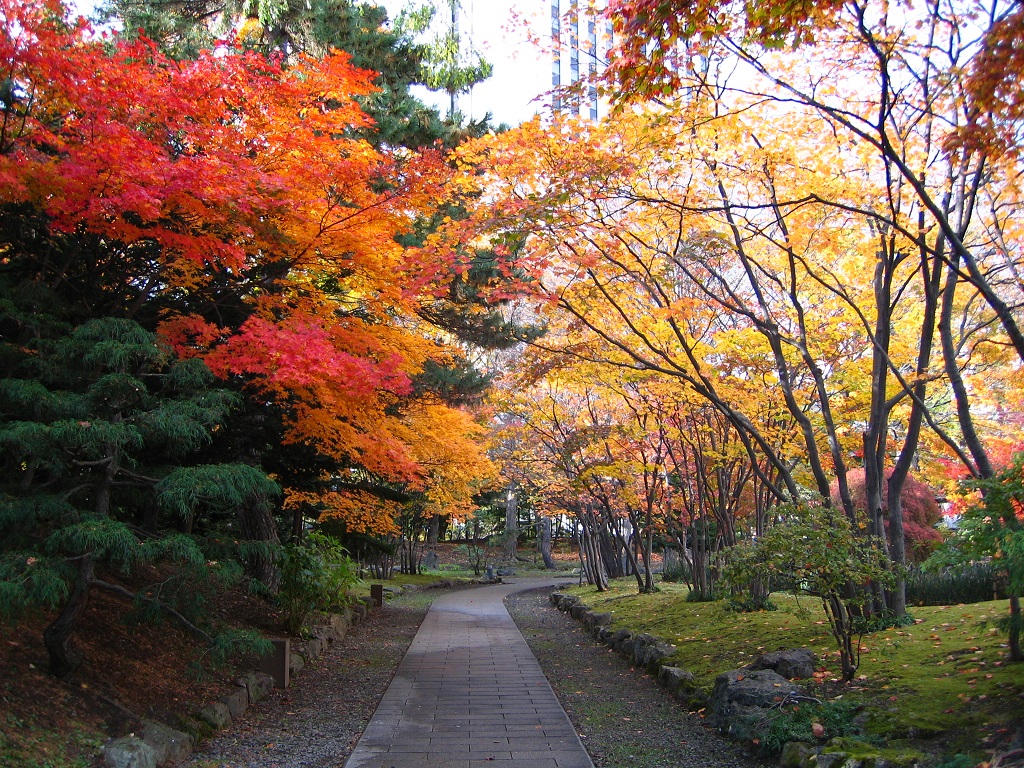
point(567, 602)
point(128, 752)
point(556, 597)
point(257, 685)
point(324, 635)
point(295, 663)
point(506, 571)
point(675, 678)
point(216, 715)
point(577, 610)
point(619, 637)
point(648, 651)
point(314, 648)
point(797, 754)
point(837, 760)
point(168, 744)
point(236, 702)
point(358, 611)
point(339, 624)
point(738, 692)
point(794, 664)
point(626, 647)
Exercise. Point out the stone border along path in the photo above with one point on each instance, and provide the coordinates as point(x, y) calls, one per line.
point(470, 693)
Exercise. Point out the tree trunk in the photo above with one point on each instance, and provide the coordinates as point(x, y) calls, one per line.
point(257, 525)
point(1015, 622)
point(511, 523)
point(590, 551)
point(64, 659)
point(545, 543)
point(433, 528)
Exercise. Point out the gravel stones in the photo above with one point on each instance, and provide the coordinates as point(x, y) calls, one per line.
point(623, 717)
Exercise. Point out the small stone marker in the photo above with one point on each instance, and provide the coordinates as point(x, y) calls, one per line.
point(276, 662)
point(431, 561)
point(377, 593)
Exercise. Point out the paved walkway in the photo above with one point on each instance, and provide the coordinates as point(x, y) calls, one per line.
point(469, 694)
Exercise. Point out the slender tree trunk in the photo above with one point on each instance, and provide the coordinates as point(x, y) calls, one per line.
point(1015, 623)
point(545, 543)
point(64, 658)
point(590, 551)
point(511, 523)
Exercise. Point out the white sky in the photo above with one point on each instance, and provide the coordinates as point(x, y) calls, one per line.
point(497, 29)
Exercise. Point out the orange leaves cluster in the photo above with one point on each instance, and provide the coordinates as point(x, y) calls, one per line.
point(240, 183)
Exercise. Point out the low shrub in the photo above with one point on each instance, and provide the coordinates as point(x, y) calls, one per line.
point(315, 574)
point(794, 723)
point(973, 583)
point(749, 604)
point(696, 596)
point(879, 622)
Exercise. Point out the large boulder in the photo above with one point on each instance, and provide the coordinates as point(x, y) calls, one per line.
point(798, 754)
point(741, 696)
point(649, 651)
point(566, 602)
point(257, 685)
point(216, 715)
point(169, 745)
point(128, 752)
point(795, 664)
point(237, 702)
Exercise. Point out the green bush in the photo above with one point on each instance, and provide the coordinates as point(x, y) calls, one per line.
point(747, 604)
point(793, 723)
point(696, 596)
point(973, 583)
point(315, 574)
point(678, 572)
point(881, 621)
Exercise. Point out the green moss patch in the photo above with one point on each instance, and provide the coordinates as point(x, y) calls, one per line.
point(947, 673)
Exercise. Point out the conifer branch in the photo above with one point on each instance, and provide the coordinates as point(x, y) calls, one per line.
point(119, 590)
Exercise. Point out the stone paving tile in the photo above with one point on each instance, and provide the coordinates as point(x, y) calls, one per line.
point(470, 694)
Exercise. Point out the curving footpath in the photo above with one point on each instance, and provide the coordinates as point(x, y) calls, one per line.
point(468, 694)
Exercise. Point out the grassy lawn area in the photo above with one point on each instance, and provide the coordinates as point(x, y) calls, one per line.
point(945, 674)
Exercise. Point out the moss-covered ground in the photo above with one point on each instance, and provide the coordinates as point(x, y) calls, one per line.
point(945, 676)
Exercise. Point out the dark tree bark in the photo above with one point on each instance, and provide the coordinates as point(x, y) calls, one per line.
point(545, 543)
point(1015, 623)
point(64, 658)
point(511, 523)
point(257, 525)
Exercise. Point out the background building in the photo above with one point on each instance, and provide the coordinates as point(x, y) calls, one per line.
point(537, 47)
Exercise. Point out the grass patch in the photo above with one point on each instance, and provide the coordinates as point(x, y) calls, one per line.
point(24, 745)
point(946, 672)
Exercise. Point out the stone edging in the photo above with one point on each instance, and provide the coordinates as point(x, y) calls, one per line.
point(160, 744)
point(643, 650)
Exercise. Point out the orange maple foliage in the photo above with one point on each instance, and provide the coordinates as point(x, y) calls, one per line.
point(244, 178)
